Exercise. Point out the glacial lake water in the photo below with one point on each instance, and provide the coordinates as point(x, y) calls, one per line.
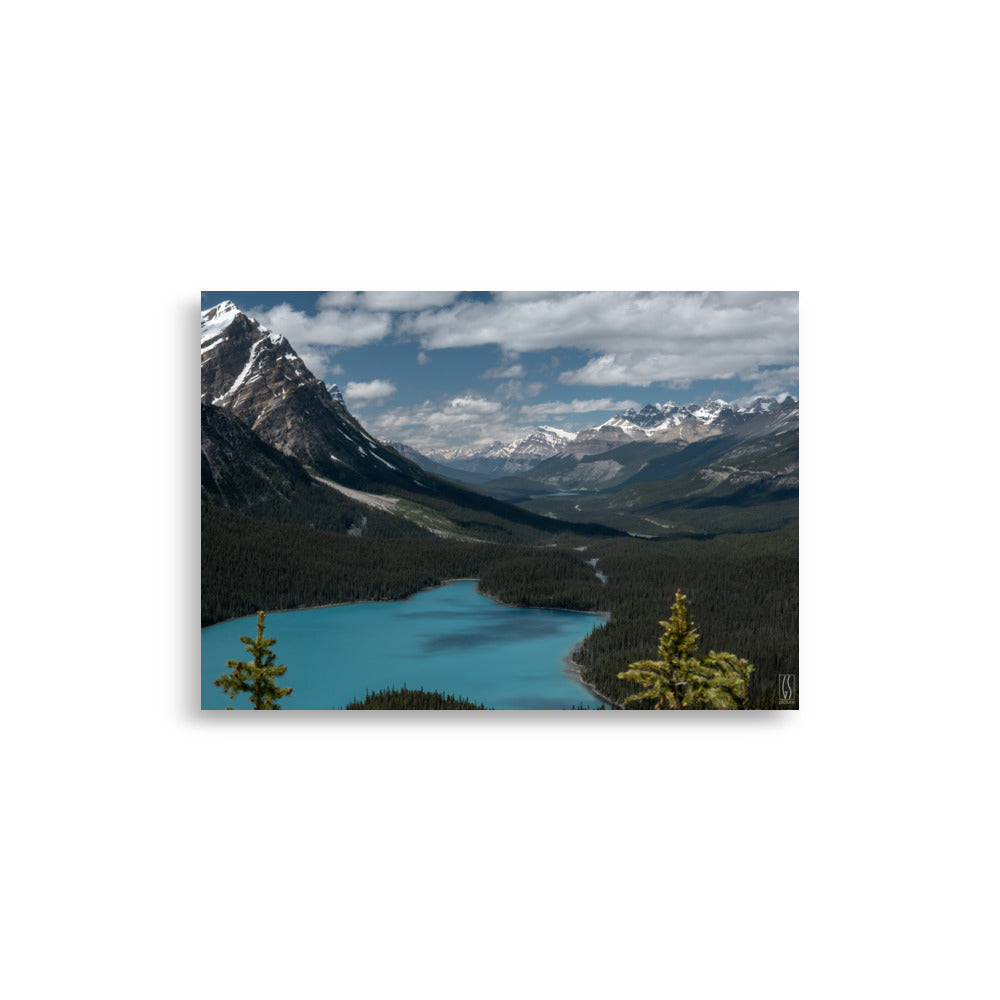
point(450, 639)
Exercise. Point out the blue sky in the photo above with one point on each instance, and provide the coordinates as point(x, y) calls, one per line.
point(442, 369)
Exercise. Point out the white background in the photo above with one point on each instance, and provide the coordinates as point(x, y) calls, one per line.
point(847, 152)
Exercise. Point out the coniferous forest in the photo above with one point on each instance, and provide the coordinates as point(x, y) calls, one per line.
point(742, 588)
point(404, 699)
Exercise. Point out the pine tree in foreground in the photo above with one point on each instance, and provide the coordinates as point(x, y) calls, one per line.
point(257, 678)
point(680, 678)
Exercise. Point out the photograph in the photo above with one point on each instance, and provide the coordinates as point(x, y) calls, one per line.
point(499, 500)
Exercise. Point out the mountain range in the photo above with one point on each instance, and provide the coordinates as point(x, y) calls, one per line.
point(663, 468)
point(645, 443)
point(501, 458)
point(279, 443)
point(655, 422)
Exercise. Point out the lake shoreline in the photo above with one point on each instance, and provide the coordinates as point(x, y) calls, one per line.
point(423, 590)
point(571, 669)
point(345, 604)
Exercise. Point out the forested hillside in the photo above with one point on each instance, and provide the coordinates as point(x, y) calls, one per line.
point(742, 589)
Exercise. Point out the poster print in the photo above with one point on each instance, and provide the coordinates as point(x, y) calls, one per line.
point(499, 500)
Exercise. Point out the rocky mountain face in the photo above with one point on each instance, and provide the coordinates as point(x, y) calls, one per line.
point(256, 375)
point(240, 470)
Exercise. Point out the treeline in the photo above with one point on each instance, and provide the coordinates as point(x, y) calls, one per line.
point(396, 699)
point(247, 564)
point(542, 578)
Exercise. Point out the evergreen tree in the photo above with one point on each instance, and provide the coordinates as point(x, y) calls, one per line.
point(682, 679)
point(258, 677)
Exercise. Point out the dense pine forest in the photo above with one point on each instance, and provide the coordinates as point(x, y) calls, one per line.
point(404, 699)
point(742, 588)
point(742, 591)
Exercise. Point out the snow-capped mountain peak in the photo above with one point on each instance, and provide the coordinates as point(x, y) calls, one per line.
point(216, 319)
point(256, 375)
point(502, 458)
point(708, 411)
point(655, 423)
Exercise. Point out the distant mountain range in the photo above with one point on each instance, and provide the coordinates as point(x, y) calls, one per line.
point(664, 468)
point(549, 456)
point(500, 459)
point(659, 422)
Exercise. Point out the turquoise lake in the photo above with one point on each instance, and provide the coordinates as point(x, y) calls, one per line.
point(450, 639)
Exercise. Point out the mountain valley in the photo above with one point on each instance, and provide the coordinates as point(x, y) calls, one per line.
point(302, 505)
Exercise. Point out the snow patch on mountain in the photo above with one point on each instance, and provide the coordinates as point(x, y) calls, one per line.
point(654, 422)
point(215, 321)
point(542, 442)
point(242, 377)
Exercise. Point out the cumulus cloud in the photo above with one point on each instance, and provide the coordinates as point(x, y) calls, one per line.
point(770, 383)
point(387, 301)
point(443, 423)
point(475, 405)
point(619, 339)
point(367, 392)
point(473, 420)
point(539, 410)
point(636, 338)
point(329, 327)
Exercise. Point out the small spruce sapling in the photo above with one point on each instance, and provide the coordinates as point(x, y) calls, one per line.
point(256, 678)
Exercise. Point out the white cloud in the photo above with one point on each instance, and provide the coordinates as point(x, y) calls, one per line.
point(390, 301)
point(635, 337)
point(445, 423)
point(366, 392)
point(474, 405)
point(539, 410)
point(329, 327)
point(770, 383)
point(422, 358)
